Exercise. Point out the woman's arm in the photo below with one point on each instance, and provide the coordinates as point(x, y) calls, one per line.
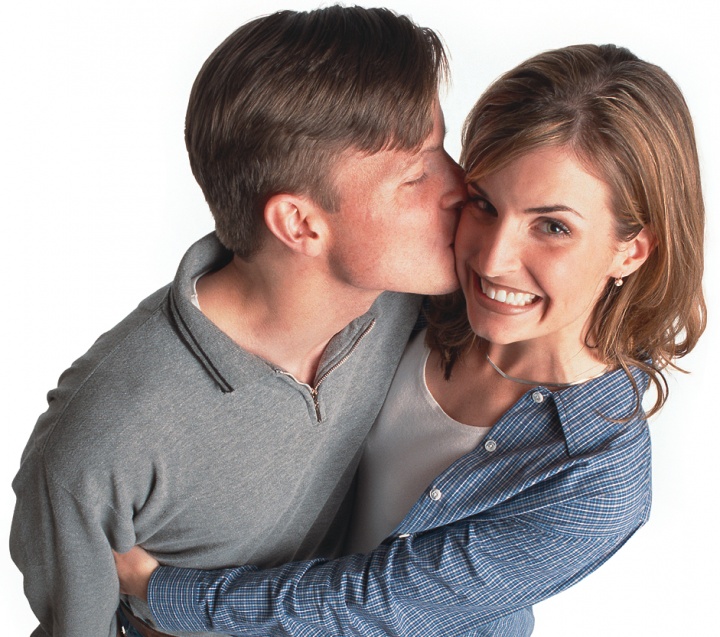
point(444, 581)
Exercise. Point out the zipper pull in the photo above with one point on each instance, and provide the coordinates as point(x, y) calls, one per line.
point(316, 402)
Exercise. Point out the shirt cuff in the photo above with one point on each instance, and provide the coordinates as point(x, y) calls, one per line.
point(175, 598)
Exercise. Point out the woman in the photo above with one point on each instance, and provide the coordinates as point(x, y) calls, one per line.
point(579, 254)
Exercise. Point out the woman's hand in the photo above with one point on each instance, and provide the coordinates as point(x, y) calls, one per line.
point(134, 570)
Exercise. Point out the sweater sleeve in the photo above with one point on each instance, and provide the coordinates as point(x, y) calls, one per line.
point(445, 581)
point(60, 544)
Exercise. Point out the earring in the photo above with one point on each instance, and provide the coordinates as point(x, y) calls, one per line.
point(618, 282)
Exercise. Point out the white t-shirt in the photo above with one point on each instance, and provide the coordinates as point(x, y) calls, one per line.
point(412, 442)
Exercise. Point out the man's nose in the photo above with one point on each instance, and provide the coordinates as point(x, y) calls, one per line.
point(456, 194)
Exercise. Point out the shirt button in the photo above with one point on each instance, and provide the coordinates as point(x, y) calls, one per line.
point(403, 536)
point(537, 397)
point(435, 494)
point(490, 445)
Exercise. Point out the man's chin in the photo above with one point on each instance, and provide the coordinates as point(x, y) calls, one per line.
point(448, 286)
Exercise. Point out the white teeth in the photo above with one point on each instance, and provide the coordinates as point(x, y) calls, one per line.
point(517, 299)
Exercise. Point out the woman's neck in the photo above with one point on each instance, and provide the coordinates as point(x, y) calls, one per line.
point(490, 378)
point(532, 363)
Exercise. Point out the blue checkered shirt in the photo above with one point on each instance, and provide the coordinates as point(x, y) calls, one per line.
point(558, 485)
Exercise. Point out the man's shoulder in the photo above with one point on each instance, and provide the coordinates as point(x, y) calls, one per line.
point(91, 391)
point(130, 361)
point(138, 333)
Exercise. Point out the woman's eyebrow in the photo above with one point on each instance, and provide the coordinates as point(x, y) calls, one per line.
point(541, 210)
point(535, 210)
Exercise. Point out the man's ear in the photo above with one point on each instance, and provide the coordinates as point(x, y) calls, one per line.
point(636, 251)
point(298, 222)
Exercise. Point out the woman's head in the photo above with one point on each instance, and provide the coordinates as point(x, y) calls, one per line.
point(536, 248)
point(627, 123)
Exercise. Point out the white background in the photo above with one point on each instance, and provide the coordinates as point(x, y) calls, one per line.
point(98, 205)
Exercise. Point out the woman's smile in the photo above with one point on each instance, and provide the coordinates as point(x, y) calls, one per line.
point(505, 295)
point(501, 299)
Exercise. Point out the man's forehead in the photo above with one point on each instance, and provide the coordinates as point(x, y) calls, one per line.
point(407, 159)
point(434, 141)
point(397, 160)
point(433, 144)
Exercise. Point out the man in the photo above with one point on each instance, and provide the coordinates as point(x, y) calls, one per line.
point(221, 422)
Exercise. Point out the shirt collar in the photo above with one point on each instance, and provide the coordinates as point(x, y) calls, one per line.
point(230, 365)
point(591, 413)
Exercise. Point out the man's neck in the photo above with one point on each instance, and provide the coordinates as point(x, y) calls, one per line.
point(286, 313)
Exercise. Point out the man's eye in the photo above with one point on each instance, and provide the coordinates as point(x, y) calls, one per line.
point(418, 180)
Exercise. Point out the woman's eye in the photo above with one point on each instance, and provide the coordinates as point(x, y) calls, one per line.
point(481, 204)
point(554, 227)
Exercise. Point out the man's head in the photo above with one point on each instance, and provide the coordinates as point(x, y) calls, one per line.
point(286, 96)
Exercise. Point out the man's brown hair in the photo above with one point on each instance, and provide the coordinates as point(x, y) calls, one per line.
point(281, 98)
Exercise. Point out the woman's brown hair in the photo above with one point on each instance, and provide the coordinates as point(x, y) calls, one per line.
point(627, 122)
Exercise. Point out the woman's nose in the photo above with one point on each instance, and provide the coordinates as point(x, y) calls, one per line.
point(500, 249)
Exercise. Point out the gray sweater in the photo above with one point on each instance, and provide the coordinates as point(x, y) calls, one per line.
point(167, 434)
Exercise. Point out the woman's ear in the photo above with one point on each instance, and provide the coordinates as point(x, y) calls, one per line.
point(636, 251)
point(297, 222)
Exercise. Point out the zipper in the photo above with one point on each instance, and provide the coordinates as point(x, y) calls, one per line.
point(314, 390)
